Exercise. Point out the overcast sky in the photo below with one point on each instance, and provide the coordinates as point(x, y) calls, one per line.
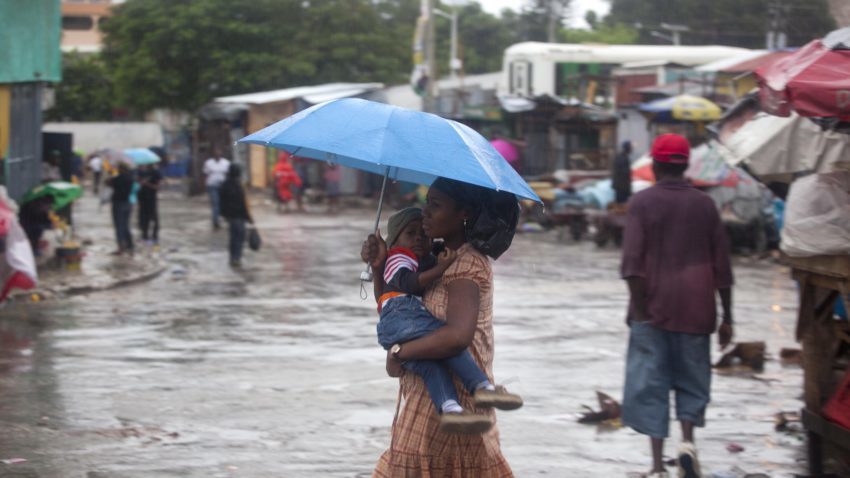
point(577, 9)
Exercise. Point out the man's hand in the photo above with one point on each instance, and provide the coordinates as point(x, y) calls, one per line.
point(446, 257)
point(374, 251)
point(724, 334)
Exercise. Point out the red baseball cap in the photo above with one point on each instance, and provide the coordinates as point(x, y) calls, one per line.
point(671, 148)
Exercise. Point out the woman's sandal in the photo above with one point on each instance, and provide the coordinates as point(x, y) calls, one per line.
point(465, 423)
point(499, 399)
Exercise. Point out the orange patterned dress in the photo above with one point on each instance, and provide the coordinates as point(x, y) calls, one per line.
point(418, 449)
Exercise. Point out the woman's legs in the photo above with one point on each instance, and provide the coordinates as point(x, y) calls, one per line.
point(154, 216)
point(144, 218)
point(237, 239)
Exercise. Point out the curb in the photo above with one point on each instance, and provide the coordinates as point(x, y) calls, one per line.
point(48, 293)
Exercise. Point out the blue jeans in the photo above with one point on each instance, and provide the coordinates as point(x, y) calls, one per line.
point(657, 363)
point(405, 318)
point(121, 220)
point(237, 239)
point(215, 203)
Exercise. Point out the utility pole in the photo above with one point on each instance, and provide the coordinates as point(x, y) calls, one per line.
point(431, 60)
point(778, 14)
point(455, 64)
point(675, 32)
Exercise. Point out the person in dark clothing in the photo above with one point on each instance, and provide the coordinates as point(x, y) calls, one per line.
point(122, 188)
point(34, 217)
point(621, 174)
point(150, 179)
point(675, 262)
point(234, 208)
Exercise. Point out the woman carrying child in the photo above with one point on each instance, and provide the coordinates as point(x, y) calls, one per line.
point(463, 298)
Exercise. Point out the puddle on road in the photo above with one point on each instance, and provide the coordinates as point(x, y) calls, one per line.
point(275, 370)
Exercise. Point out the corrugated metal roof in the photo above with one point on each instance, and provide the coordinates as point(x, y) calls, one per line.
point(719, 65)
point(754, 63)
point(29, 35)
point(311, 94)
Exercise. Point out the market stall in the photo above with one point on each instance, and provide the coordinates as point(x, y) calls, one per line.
point(801, 142)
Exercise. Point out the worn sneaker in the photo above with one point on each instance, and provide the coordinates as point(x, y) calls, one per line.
point(500, 399)
point(688, 462)
point(465, 423)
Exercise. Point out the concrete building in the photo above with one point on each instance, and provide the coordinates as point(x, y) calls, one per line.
point(81, 22)
point(29, 33)
point(229, 118)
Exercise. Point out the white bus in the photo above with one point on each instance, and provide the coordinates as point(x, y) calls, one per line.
point(532, 69)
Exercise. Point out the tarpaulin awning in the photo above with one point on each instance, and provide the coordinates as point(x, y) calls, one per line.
point(814, 81)
point(778, 147)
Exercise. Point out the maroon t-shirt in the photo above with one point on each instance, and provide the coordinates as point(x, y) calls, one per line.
point(675, 240)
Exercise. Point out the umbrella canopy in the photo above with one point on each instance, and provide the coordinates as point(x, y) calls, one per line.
point(506, 149)
point(394, 142)
point(814, 81)
point(63, 193)
point(681, 108)
point(777, 148)
point(142, 156)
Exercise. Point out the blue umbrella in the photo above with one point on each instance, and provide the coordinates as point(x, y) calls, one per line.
point(401, 144)
point(394, 142)
point(142, 156)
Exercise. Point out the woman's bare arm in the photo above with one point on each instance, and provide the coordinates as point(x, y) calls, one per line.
point(456, 336)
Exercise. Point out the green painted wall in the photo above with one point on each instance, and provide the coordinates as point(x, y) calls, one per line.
point(30, 35)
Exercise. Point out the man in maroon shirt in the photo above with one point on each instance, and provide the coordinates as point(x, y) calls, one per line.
point(675, 256)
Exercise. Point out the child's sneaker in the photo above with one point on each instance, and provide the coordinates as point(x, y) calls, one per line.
point(499, 398)
point(465, 423)
point(688, 462)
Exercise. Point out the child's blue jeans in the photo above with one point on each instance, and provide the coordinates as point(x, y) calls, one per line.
point(405, 318)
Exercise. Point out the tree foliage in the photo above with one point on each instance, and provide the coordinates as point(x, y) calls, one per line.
point(616, 34)
point(181, 53)
point(85, 92)
point(725, 22)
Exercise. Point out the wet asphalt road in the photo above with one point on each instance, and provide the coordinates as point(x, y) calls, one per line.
point(274, 370)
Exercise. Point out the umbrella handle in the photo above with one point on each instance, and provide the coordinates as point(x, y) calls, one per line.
point(366, 276)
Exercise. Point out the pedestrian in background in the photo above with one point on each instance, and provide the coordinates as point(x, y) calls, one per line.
point(286, 180)
point(333, 175)
point(621, 174)
point(675, 256)
point(234, 208)
point(215, 170)
point(150, 179)
point(96, 166)
point(301, 166)
point(122, 189)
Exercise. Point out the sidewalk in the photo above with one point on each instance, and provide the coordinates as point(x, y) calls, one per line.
point(99, 269)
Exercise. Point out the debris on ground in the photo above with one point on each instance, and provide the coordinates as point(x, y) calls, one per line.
point(609, 409)
point(13, 461)
point(788, 422)
point(734, 448)
point(749, 354)
point(791, 356)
